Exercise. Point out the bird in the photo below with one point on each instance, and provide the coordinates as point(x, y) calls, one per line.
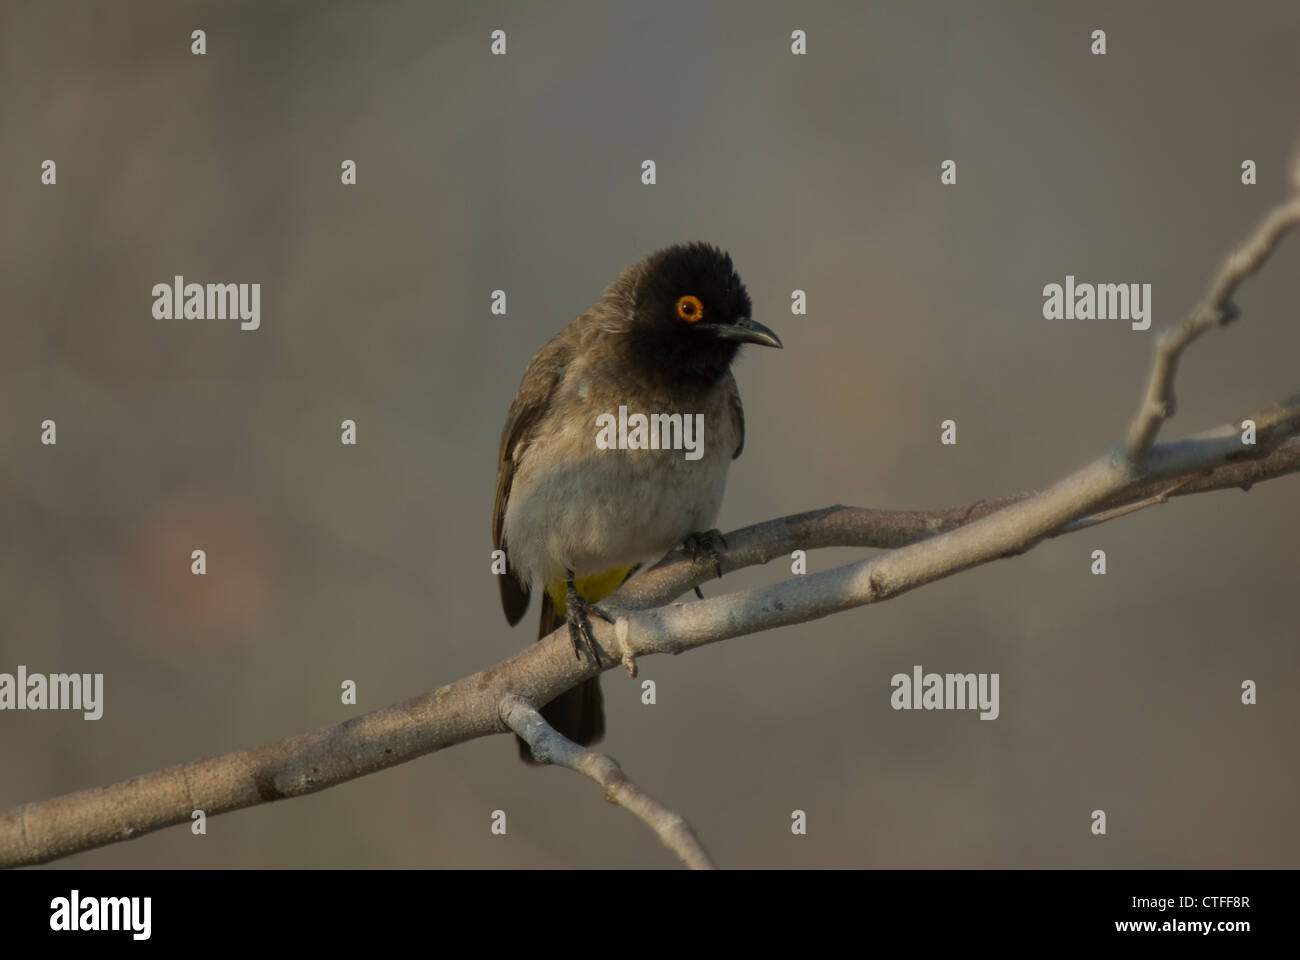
point(581, 506)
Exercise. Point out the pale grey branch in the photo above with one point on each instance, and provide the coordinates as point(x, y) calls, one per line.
point(1216, 309)
point(550, 746)
point(921, 547)
point(45, 830)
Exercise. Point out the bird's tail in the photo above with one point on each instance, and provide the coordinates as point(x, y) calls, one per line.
point(578, 714)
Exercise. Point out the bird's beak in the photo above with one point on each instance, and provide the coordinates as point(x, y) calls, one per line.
point(746, 331)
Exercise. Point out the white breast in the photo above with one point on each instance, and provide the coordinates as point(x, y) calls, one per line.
point(575, 507)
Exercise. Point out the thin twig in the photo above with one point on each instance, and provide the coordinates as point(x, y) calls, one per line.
point(1215, 310)
point(1117, 512)
point(550, 746)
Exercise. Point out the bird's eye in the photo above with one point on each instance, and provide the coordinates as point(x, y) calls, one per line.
point(690, 309)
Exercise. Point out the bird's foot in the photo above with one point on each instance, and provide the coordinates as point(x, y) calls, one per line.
point(577, 611)
point(703, 548)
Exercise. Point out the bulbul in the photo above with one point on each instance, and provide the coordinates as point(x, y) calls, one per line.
point(586, 492)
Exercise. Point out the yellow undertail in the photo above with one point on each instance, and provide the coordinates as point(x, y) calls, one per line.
point(593, 589)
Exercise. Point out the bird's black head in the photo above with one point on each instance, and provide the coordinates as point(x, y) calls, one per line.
point(690, 314)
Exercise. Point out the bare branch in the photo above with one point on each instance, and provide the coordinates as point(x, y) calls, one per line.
point(926, 546)
point(843, 526)
point(1215, 310)
point(549, 746)
point(48, 829)
point(1116, 512)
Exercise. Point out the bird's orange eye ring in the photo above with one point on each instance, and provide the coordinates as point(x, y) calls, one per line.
point(690, 309)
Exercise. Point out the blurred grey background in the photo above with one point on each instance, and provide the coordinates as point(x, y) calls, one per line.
point(521, 172)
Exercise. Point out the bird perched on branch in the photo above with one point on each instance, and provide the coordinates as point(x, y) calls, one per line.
point(616, 448)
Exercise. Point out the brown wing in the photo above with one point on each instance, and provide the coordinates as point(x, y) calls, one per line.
point(737, 416)
point(530, 404)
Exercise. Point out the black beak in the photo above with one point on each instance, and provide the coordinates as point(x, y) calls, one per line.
point(746, 331)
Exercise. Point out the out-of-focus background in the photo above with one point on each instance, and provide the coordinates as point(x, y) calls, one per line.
point(522, 172)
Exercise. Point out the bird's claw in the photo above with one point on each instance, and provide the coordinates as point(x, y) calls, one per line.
point(577, 612)
point(703, 548)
